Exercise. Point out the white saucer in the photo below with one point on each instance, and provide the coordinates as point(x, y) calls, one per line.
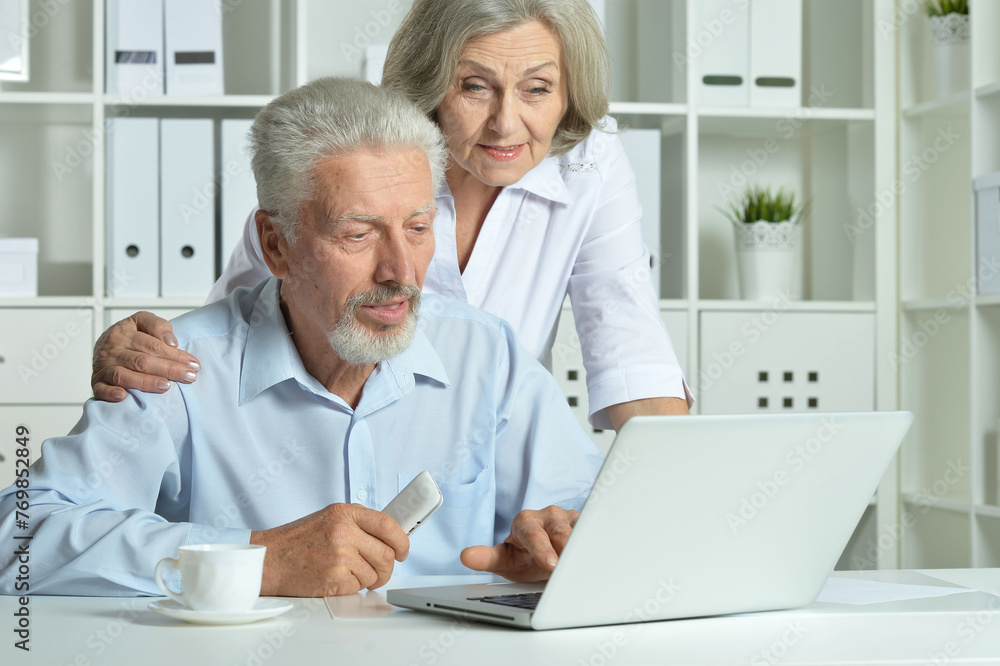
point(263, 609)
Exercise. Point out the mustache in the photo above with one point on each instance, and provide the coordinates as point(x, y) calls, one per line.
point(383, 293)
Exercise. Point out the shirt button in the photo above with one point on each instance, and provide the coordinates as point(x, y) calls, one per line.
point(362, 494)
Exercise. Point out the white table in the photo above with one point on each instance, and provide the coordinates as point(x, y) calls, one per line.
point(363, 629)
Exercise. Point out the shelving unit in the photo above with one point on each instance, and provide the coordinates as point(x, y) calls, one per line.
point(838, 148)
point(949, 349)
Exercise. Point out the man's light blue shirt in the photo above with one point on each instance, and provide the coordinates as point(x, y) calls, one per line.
point(257, 442)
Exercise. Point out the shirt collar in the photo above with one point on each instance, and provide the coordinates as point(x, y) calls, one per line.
point(267, 356)
point(545, 181)
point(270, 357)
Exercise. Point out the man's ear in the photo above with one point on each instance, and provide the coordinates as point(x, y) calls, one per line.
point(272, 244)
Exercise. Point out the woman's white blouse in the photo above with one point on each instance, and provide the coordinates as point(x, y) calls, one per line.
point(570, 225)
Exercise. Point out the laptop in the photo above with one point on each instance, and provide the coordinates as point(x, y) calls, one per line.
point(693, 516)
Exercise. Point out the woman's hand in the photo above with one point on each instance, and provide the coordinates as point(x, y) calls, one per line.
point(139, 352)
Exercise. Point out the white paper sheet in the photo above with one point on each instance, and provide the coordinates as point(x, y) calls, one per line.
point(860, 592)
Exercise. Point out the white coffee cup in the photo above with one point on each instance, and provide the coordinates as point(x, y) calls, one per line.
point(216, 577)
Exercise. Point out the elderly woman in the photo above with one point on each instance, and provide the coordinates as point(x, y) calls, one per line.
point(540, 201)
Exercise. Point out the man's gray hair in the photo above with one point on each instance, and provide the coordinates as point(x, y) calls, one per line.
point(327, 117)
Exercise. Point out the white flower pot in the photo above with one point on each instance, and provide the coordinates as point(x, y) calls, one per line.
point(951, 53)
point(767, 254)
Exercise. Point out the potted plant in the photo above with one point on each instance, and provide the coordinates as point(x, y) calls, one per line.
point(768, 232)
point(950, 31)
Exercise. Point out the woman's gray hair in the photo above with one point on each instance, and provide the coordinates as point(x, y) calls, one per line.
point(424, 53)
point(327, 117)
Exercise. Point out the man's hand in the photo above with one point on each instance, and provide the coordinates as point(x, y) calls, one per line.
point(341, 549)
point(530, 552)
point(139, 352)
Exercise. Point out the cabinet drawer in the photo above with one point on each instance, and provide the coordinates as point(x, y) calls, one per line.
point(781, 362)
point(42, 422)
point(45, 355)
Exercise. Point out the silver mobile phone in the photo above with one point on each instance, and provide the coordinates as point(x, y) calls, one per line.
point(415, 503)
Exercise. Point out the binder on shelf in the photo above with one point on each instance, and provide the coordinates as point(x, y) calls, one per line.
point(239, 189)
point(133, 59)
point(722, 53)
point(187, 207)
point(776, 53)
point(643, 149)
point(133, 199)
point(193, 30)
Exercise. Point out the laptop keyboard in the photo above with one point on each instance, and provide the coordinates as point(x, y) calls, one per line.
point(527, 600)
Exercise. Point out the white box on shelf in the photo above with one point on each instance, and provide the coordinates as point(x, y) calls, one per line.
point(776, 53)
point(19, 267)
point(775, 361)
point(187, 207)
point(723, 63)
point(643, 149)
point(988, 230)
point(193, 30)
point(239, 189)
point(133, 209)
point(133, 59)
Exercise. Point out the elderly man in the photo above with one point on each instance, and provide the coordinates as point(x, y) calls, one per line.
point(322, 395)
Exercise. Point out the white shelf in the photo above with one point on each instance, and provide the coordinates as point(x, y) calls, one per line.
point(989, 300)
point(779, 124)
point(988, 511)
point(220, 101)
point(956, 104)
point(648, 108)
point(49, 302)
point(45, 98)
point(145, 303)
point(938, 503)
point(777, 113)
point(989, 90)
point(929, 305)
point(790, 306)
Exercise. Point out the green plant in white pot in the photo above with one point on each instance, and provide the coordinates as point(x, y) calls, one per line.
point(768, 232)
point(950, 31)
